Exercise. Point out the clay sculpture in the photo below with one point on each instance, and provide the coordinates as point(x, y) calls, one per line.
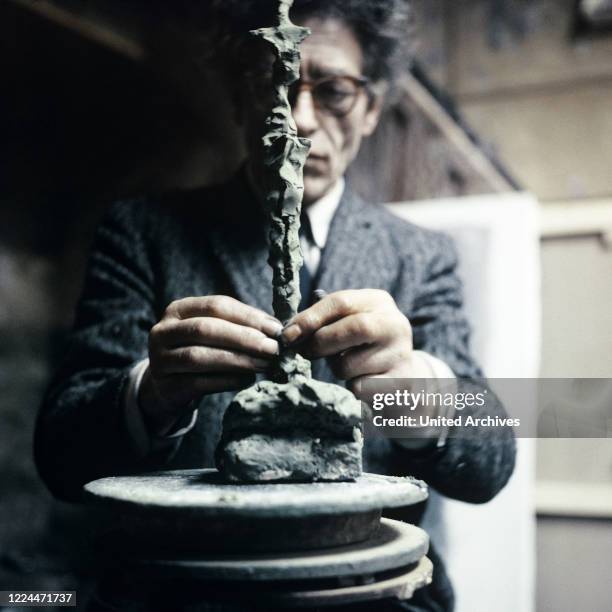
point(290, 428)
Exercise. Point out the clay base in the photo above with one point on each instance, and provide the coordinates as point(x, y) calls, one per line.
point(259, 457)
point(304, 431)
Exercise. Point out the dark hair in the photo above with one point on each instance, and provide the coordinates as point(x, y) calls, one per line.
point(383, 27)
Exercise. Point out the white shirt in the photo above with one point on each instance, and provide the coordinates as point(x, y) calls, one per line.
point(320, 215)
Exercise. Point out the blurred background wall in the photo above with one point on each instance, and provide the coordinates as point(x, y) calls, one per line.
point(102, 100)
point(534, 80)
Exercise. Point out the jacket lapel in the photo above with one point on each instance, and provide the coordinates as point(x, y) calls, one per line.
point(358, 253)
point(239, 242)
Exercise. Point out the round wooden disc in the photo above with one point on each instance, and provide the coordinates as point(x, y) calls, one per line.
point(205, 491)
point(195, 512)
point(401, 586)
point(395, 545)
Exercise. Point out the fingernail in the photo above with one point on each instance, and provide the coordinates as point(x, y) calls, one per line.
point(272, 327)
point(261, 365)
point(292, 333)
point(269, 346)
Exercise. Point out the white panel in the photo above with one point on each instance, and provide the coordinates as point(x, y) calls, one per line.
point(490, 549)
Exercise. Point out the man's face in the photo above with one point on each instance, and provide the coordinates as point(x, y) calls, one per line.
point(332, 50)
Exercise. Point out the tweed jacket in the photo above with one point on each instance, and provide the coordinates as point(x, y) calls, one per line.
point(149, 252)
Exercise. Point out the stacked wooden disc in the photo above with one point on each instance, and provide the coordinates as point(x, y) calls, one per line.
point(311, 544)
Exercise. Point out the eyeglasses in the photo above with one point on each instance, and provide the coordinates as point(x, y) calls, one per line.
point(336, 95)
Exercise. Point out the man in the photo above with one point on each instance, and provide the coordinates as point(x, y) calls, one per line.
point(175, 312)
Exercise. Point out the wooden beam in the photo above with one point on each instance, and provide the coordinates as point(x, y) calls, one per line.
point(91, 30)
point(577, 219)
point(454, 134)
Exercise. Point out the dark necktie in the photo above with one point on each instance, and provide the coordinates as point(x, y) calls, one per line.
point(306, 280)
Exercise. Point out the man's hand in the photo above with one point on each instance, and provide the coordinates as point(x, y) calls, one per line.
point(361, 332)
point(203, 345)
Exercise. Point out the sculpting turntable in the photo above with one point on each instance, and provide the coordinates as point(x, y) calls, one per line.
point(174, 540)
